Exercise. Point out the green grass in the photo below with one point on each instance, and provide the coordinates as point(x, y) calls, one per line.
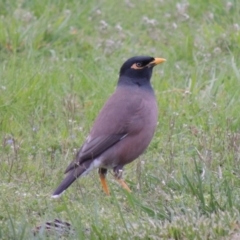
point(60, 62)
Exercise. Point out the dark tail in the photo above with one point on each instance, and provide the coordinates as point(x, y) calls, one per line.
point(69, 179)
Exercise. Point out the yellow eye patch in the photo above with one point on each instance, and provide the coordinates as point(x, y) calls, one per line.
point(137, 66)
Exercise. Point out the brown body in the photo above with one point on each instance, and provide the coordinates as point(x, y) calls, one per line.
point(141, 109)
point(123, 128)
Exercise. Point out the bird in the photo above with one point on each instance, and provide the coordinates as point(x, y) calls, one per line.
point(123, 129)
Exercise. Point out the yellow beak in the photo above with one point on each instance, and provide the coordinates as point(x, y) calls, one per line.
point(157, 61)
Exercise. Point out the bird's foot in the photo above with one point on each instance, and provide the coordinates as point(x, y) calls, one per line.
point(102, 174)
point(118, 176)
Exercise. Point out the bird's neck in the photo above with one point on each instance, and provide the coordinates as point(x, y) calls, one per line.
point(143, 83)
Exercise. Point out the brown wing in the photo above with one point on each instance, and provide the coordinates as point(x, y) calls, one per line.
point(92, 149)
point(113, 123)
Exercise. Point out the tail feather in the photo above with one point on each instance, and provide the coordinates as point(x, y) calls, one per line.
point(69, 179)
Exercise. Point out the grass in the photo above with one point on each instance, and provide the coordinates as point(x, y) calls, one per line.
point(59, 63)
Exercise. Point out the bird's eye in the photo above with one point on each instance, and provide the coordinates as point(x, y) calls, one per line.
point(137, 66)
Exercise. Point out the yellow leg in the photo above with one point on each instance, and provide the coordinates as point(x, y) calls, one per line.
point(102, 173)
point(123, 184)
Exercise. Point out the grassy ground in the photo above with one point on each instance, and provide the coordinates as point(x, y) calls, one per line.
point(60, 62)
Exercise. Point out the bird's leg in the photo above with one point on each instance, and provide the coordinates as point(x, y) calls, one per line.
point(118, 176)
point(102, 174)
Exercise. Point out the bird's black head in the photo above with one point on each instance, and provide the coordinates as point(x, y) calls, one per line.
point(138, 70)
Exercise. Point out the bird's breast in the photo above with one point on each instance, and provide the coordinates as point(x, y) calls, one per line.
point(140, 130)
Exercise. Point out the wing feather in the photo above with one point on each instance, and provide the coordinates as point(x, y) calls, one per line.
point(118, 118)
point(93, 148)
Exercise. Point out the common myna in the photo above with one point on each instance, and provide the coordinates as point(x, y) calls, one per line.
point(123, 128)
